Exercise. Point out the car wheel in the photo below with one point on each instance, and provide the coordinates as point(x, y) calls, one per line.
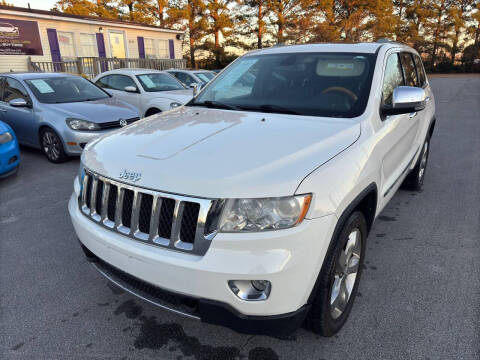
point(339, 278)
point(415, 179)
point(52, 146)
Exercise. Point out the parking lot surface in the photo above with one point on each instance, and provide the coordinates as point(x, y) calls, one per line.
point(419, 296)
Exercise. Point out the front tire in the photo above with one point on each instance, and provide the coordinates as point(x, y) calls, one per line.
point(339, 278)
point(414, 180)
point(52, 146)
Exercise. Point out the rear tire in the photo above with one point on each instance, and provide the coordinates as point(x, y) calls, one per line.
point(414, 180)
point(52, 146)
point(339, 278)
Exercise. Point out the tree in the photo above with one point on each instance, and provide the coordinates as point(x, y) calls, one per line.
point(285, 17)
point(100, 8)
point(190, 14)
point(256, 12)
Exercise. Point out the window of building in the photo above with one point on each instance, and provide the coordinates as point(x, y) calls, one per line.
point(393, 78)
point(88, 44)
point(163, 52)
point(66, 43)
point(149, 45)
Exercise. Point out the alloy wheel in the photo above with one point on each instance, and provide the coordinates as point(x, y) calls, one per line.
point(51, 145)
point(346, 271)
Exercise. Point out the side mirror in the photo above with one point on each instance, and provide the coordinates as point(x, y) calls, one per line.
point(406, 99)
point(18, 102)
point(131, 89)
point(196, 88)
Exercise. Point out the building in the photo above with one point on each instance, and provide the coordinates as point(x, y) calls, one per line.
point(50, 36)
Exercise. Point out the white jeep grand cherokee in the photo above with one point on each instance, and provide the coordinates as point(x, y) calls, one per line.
point(250, 206)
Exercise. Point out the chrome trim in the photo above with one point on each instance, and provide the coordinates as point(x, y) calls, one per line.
point(198, 247)
point(151, 301)
point(403, 173)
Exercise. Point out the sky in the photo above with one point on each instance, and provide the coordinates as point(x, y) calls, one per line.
point(34, 4)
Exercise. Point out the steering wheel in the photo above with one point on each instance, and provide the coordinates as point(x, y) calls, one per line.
point(341, 89)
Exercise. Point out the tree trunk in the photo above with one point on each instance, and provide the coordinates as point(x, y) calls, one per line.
point(217, 39)
point(161, 9)
point(260, 24)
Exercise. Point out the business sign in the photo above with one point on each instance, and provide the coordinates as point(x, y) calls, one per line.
point(19, 37)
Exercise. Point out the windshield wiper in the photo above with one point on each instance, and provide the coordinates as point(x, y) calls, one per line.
point(270, 108)
point(216, 104)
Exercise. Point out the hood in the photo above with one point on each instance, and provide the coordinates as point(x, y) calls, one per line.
point(98, 111)
point(181, 96)
point(219, 153)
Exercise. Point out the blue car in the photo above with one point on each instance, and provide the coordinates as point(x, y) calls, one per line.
point(9, 151)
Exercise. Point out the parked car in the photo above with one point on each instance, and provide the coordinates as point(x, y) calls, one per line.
point(253, 211)
point(9, 151)
point(193, 77)
point(59, 113)
point(150, 91)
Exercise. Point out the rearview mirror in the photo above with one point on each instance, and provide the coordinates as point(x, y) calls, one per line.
point(18, 102)
point(132, 89)
point(406, 99)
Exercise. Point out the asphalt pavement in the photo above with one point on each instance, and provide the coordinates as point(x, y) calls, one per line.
point(419, 297)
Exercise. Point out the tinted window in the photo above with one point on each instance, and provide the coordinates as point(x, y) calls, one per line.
point(116, 82)
point(14, 90)
point(393, 78)
point(409, 69)
point(159, 82)
point(422, 79)
point(314, 84)
point(185, 78)
point(205, 76)
point(65, 89)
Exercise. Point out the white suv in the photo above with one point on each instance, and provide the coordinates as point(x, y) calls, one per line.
point(251, 205)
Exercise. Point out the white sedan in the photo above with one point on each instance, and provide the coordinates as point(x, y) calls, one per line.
point(151, 91)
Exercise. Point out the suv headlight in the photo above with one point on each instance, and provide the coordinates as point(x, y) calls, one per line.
point(174, 104)
point(81, 125)
point(248, 215)
point(5, 138)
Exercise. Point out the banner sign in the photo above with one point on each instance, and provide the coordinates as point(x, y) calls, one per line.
point(19, 37)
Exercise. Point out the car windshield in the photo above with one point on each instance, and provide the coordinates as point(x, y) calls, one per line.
point(205, 76)
point(159, 82)
point(313, 84)
point(65, 89)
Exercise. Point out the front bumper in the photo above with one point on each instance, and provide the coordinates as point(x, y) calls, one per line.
point(290, 259)
point(75, 141)
point(9, 158)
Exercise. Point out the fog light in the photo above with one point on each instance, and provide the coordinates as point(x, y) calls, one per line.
point(251, 290)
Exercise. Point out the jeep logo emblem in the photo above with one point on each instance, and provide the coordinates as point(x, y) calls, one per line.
point(130, 175)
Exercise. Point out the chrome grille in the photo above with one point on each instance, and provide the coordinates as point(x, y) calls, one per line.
point(161, 219)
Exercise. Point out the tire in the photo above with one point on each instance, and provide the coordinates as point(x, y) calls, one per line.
point(414, 180)
point(152, 111)
point(52, 146)
point(336, 290)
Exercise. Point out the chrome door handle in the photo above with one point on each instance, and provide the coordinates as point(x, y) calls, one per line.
point(412, 115)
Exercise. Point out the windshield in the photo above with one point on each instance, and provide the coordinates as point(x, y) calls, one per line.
point(205, 76)
point(314, 84)
point(159, 82)
point(65, 89)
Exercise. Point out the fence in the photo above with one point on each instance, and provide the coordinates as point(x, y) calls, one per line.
point(92, 66)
